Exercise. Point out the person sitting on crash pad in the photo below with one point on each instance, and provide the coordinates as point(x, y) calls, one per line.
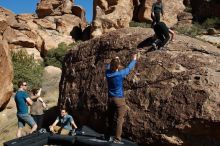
point(65, 122)
point(162, 34)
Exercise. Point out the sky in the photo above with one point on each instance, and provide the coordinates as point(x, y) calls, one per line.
point(29, 6)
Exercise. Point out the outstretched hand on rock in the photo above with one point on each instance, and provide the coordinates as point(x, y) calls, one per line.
point(134, 56)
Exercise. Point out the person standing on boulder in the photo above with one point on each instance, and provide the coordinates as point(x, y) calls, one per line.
point(116, 100)
point(162, 35)
point(22, 101)
point(157, 9)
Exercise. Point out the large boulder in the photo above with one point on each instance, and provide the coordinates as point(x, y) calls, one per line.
point(111, 15)
point(80, 12)
point(184, 19)
point(7, 15)
point(54, 7)
point(213, 39)
point(50, 84)
point(6, 77)
point(52, 41)
point(144, 10)
point(6, 18)
point(173, 95)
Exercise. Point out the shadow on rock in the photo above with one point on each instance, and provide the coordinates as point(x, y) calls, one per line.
point(50, 116)
point(147, 44)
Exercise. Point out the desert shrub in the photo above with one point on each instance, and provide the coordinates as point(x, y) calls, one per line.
point(211, 22)
point(54, 57)
point(26, 69)
point(198, 28)
point(139, 24)
point(194, 30)
point(188, 9)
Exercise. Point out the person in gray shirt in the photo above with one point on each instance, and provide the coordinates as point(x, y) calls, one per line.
point(157, 9)
point(37, 109)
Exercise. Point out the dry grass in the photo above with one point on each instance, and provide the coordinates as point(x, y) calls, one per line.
point(8, 122)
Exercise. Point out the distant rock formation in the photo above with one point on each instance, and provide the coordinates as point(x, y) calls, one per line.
point(54, 7)
point(173, 94)
point(110, 15)
point(43, 31)
point(6, 77)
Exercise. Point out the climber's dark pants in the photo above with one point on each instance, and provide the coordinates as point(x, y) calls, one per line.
point(155, 19)
point(117, 109)
point(164, 38)
point(162, 33)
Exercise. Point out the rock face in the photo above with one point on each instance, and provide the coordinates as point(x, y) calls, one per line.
point(205, 8)
point(6, 77)
point(173, 95)
point(45, 31)
point(80, 12)
point(184, 19)
point(54, 7)
point(213, 39)
point(111, 15)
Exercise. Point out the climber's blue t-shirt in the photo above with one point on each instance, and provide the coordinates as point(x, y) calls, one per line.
point(65, 121)
point(20, 100)
point(115, 80)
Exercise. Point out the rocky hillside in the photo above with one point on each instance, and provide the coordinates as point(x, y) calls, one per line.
point(173, 94)
point(55, 22)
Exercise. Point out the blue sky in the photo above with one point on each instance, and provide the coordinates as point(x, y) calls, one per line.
point(29, 6)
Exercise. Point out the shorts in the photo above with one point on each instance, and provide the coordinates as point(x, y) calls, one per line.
point(25, 118)
point(62, 131)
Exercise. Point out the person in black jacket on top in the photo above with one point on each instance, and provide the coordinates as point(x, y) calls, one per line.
point(162, 34)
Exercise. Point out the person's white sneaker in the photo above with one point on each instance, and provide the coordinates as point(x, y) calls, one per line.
point(117, 141)
point(154, 46)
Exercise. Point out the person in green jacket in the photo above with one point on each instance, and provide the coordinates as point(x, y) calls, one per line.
point(157, 9)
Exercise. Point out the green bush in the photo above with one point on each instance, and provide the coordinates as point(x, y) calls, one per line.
point(188, 9)
point(26, 69)
point(194, 30)
point(139, 24)
point(211, 22)
point(54, 57)
point(198, 28)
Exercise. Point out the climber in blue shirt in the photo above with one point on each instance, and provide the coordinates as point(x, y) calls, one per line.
point(116, 100)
